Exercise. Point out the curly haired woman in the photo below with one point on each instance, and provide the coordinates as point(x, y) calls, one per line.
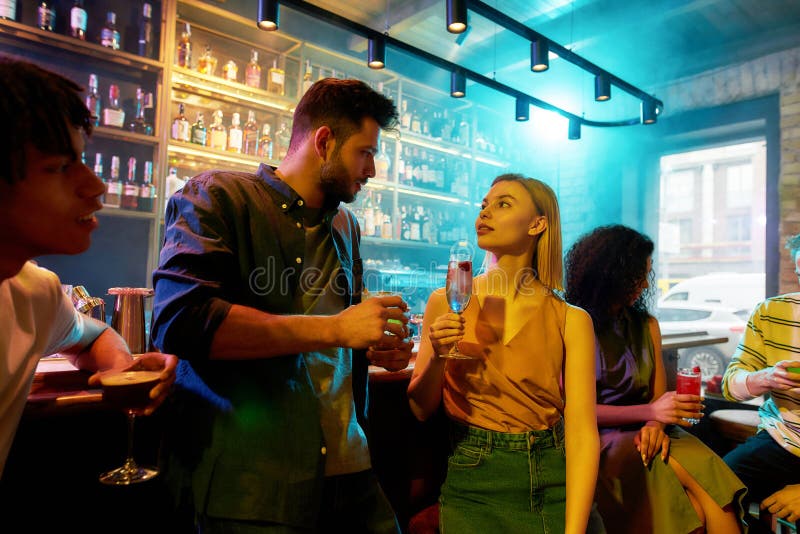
point(654, 476)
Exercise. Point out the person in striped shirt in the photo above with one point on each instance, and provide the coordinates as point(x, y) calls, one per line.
point(767, 361)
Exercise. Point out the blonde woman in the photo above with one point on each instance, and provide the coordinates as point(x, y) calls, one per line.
point(523, 459)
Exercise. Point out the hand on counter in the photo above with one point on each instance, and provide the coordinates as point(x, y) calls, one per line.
point(149, 361)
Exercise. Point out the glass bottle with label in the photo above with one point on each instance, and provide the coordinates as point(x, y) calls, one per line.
point(230, 71)
point(282, 138)
point(139, 124)
point(218, 134)
point(207, 64)
point(113, 115)
point(252, 75)
point(98, 171)
point(185, 48)
point(275, 79)
point(172, 184)
point(114, 187)
point(46, 16)
point(265, 142)
point(382, 164)
point(145, 44)
point(235, 134)
point(93, 100)
point(8, 9)
point(147, 191)
point(250, 134)
point(77, 20)
point(199, 131)
point(307, 81)
point(130, 191)
point(181, 129)
point(109, 35)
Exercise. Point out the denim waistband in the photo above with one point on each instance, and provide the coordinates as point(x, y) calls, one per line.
point(480, 437)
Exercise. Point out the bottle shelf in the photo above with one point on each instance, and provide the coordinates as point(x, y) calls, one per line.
point(106, 132)
point(108, 211)
point(402, 243)
point(55, 44)
point(192, 82)
point(190, 152)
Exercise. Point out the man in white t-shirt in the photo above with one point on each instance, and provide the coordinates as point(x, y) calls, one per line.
point(48, 200)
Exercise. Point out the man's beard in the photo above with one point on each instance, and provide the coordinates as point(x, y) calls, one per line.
point(334, 182)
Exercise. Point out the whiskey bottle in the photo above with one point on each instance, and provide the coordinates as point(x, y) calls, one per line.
point(113, 115)
point(8, 9)
point(130, 191)
point(181, 129)
point(93, 101)
point(109, 35)
point(147, 191)
point(307, 81)
point(46, 16)
point(250, 134)
point(114, 188)
point(230, 71)
point(218, 135)
point(98, 171)
point(405, 115)
point(265, 143)
point(77, 20)
point(275, 79)
point(252, 75)
point(185, 48)
point(138, 124)
point(199, 132)
point(145, 48)
point(207, 64)
point(382, 164)
point(235, 135)
point(282, 138)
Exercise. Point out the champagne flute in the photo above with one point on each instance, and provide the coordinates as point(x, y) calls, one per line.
point(459, 288)
point(130, 392)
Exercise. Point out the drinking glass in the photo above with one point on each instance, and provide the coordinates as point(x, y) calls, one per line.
point(688, 381)
point(129, 391)
point(459, 287)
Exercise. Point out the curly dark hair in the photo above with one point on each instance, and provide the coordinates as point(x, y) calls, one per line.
point(37, 108)
point(341, 105)
point(605, 268)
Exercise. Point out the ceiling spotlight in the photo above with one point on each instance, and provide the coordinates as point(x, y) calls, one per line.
point(376, 53)
point(458, 84)
point(540, 55)
point(523, 109)
point(268, 15)
point(649, 112)
point(574, 129)
point(602, 87)
point(456, 16)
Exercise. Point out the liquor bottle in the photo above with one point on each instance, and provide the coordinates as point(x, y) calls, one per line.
point(113, 115)
point(181, 129)
point(252, 73)
point(207, 64)
point(250, 134)
point(8, 9)
point(93, 100)
point(405, 225)
point(147, 191)
point(235, 134)
point(145, 47)
point(218, 134)
point(230, 71)
point(109, 35)
point(199, 132)
point(98, 171)
point(138, 124)
point(386, 228)
point(416, 123)
point(149, 112)
point(46, 16)
point(382, 164)
point(265, 143)
point(172, 184)
point(307, 81)
point(185, 48)
point(77, 20)
point(378, 216)
point(369, 216)
point(114, 188)
point(275, 79)
point(130, 191)
point(282, 138)
point(405, 115)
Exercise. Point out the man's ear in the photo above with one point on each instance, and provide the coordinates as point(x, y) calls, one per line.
point(538, 225)
point(323, 142)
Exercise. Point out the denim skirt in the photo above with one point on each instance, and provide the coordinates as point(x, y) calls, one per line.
point(501, 482)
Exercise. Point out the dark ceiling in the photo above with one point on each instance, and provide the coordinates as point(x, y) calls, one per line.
point(646, 43)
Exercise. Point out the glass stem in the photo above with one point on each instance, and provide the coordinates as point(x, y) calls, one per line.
point(129, 459)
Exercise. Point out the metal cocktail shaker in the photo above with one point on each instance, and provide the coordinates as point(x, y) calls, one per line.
point(128, 316)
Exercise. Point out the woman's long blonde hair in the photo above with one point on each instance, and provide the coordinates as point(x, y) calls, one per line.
point(547, 258)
